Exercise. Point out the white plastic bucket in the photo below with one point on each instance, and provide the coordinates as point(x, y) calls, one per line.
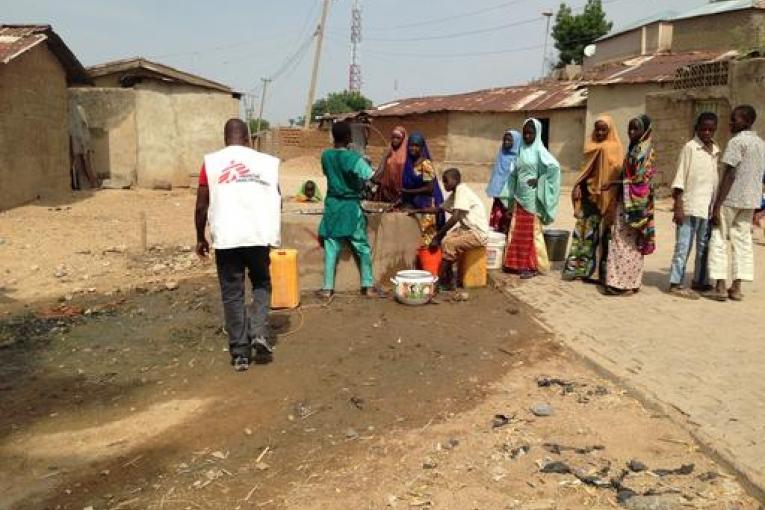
point(495, 250)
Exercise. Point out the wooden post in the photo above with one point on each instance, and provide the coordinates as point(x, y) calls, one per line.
point(142, 221)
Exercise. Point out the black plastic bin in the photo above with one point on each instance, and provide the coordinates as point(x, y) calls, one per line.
point(556, 242)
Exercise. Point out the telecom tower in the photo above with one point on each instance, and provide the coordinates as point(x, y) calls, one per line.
point(354, 75)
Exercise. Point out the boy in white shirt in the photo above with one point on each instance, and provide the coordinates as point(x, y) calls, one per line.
point(693, 191)
point(468, 215)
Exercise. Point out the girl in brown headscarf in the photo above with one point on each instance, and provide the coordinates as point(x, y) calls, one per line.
point(593, 207)
point(389, 174)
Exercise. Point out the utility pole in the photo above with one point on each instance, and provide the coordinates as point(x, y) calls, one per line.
point(548, 15)
point(265, 81)
point(354, 78)
point(316, 60)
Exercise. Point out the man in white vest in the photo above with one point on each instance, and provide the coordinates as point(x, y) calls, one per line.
point(239, 197)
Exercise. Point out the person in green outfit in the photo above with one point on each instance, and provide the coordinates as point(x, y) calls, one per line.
point(347, 174)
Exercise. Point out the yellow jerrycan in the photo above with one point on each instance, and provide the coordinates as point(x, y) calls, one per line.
point(473, 268)
point(285, 287)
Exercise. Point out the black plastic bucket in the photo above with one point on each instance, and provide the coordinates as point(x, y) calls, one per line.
point(556, 242)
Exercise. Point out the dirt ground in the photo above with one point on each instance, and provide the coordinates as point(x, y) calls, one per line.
point(368, 405)
point(115, 392)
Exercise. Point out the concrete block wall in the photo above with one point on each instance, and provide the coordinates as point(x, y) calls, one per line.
point(672, 128)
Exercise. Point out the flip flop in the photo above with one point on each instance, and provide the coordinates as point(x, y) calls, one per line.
point(373, 293)
point(682, 293)
point(325, 294)
point(716, 296)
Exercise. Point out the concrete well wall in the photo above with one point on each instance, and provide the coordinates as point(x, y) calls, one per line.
point(394, 238)
point(34, 138)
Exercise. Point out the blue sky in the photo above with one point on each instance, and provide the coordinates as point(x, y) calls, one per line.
point(411, 48)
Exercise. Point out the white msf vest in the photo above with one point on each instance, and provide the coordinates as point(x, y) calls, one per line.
point(245, 204)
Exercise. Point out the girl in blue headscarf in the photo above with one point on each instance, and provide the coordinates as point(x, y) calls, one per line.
point(534, 190)
point(498, 187)
point(420, 187)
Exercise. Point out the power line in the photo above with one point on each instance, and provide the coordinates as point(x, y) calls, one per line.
point(450, 18)
point(455, 55)
point(455, 34)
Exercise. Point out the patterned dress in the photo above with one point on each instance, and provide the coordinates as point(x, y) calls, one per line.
point(428, 228)
point(624, 269)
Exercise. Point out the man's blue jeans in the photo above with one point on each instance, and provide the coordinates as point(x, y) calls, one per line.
point(692, 227)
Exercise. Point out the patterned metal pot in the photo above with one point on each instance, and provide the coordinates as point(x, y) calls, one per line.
point(414, 287)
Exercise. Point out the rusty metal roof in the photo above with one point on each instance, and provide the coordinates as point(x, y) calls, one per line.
point(522, 98)
point(139, 67)
point(15, 40)
point(650, 68)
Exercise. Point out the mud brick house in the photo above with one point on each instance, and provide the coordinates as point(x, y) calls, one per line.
point(36, 67)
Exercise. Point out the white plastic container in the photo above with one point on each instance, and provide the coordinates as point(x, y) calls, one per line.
point(495, 250)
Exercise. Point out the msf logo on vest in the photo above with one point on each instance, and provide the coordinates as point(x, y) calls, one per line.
point(234, 172)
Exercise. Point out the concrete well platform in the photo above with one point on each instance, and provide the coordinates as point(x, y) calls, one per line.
point(394, 238)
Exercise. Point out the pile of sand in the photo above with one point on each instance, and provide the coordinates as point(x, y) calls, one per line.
point(303, 165)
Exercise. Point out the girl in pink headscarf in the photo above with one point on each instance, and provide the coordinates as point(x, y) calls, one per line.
point(390, 173)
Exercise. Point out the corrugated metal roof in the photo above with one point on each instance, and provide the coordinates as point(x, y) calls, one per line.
point(15, 40)
point(544, 96)
point(707, 9)
point(720, 6)
point(140, 67)
point(650, 69)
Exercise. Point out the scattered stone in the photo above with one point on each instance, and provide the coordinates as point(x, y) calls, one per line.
point(158, 268)
point(171, 285)
point(558, 467)
point(185, 249)
point(451, 444)
point(116, 249)
point(591, 479)
point(519, 451)
point(219, 455)
point(636, 466)
point(34, 268)
point(61, 271)
point(654, 502)
point(548, 382)
point(685, 469)
point(2, 241)
point(542, 410)
point(247, 431)
point(559, 448)
point(262, 466)
point(709, 476)
point(500, 420)
point(357, 402)
point(513, 310)
point(351, 434)
point(429, 464)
